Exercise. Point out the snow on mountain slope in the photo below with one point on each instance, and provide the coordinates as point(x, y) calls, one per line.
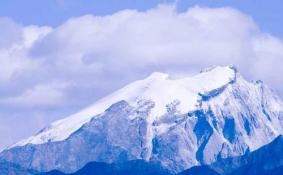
point(158, 87)
point(178, 123)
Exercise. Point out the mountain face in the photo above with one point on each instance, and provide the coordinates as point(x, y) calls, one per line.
point(267, 160)
point(177, 123)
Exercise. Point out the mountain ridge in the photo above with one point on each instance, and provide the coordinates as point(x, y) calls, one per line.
point(142, 85)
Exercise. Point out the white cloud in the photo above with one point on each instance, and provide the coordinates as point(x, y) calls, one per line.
point(15, 43)
point(160, 37)
point(42, 95)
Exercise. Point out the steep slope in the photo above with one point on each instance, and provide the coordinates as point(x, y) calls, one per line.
point(178, 123)
point(266, 160)
point(136, 167)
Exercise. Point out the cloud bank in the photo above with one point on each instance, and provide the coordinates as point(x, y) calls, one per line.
point(59, 70)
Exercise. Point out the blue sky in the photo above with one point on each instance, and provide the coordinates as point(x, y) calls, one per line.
point(267, 14)
point(55, 59)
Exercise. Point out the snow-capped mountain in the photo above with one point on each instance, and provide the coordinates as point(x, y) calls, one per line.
point(178, 123)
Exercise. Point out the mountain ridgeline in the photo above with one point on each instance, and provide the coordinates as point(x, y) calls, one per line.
point(215, 122)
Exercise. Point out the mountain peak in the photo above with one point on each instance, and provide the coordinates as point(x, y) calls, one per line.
point(222, 68)
point(221, 71)
point(158, 76)
point(230, 71)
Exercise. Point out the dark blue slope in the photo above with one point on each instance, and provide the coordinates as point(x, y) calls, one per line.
point(199, 170)
point(257, 170)
point(137, 167)
point(267, 160)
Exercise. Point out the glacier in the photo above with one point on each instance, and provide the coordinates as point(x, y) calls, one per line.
point(179, 123)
